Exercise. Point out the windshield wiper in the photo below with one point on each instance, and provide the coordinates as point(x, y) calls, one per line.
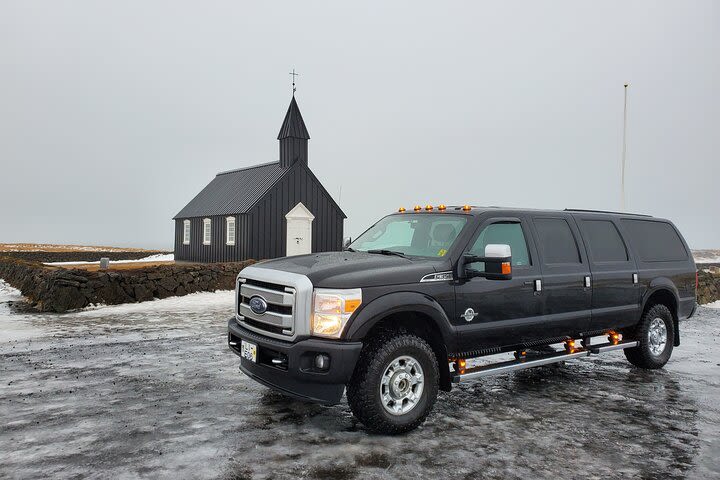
point(388, 252)
point(350, 249)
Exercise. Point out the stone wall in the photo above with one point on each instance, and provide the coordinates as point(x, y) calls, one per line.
point(709, 284)
point(80, 256)
point(60, 290)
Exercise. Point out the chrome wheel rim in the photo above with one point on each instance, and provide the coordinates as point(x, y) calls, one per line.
point(401, 386)
point(657, 336)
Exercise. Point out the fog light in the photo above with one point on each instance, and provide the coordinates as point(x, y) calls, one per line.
point(322, 361)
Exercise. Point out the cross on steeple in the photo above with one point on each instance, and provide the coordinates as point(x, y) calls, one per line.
point(293, 80)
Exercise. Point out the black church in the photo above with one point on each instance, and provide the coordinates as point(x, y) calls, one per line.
point(266, 211)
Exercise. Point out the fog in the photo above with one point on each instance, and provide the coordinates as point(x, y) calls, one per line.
point(114, 115)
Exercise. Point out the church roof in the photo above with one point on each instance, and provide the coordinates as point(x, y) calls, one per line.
point(234, 191)
point(293, 125)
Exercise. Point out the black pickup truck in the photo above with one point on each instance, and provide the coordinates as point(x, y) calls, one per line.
point(396, 315)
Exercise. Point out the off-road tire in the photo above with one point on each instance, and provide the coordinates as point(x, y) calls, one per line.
point(642, 356)
point(363, 391)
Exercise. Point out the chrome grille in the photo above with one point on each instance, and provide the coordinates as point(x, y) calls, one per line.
point(280, 300)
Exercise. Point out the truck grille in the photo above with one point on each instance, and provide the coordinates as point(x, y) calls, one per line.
point(280, 299)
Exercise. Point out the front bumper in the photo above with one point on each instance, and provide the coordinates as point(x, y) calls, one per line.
point(297, 376)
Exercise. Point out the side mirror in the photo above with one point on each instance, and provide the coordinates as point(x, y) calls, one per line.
point(497, 260)
point(346, 242)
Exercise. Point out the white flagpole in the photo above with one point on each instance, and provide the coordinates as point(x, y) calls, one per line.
point(624, 150)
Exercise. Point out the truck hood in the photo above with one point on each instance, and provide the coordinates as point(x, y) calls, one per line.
point(354, 269)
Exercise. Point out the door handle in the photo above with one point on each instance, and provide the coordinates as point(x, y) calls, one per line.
point(587, 282)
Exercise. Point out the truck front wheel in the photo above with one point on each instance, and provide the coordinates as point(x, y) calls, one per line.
point(395, 384)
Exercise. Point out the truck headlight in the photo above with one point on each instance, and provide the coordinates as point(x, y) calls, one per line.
point(332, 309)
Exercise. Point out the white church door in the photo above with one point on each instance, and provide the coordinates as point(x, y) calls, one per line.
point(299, 230)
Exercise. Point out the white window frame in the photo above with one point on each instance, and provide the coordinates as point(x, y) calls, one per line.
point(207, 231)
point(186, 232)
point(230, 221)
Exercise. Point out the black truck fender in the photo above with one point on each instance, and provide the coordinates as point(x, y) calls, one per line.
point(413, 303)
point(665, 289)
point(400, 302)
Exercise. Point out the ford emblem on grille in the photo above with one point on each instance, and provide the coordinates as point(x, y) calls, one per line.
point(258, 305)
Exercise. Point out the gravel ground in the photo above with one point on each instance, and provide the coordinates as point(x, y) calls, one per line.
point(151, 390)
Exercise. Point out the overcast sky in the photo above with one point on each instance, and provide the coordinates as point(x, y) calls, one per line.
point(114, 115)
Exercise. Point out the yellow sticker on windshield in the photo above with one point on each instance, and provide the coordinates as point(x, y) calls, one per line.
point(442, 252)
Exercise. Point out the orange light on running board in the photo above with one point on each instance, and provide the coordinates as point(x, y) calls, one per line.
point(442, 207)
point(570, 346)
point(506, 268)
point(401, 209)
point(428, 207)
point(417, 208)
point(466, 208)
point(461, 363)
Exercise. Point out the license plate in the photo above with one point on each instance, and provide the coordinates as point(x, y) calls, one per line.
point(249, 351)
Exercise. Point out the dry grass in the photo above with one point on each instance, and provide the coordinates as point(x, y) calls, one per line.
point(94, 267)
point(42, 247)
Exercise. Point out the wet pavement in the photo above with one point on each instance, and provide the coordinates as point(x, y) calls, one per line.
point(151, 390)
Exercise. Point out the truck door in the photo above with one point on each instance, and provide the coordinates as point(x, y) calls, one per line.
point(616, 296)
point(491, 313)
point(566, 281)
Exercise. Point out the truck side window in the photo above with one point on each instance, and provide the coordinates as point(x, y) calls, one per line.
point(506, 233)
point(557, 242)
point(604, 241)
point(654, 241)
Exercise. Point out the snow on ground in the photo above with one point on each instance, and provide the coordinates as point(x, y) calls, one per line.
point(715, 304)
point(160, 257)
point(195, 301)
point(707, 259)
point(706, 256)
point(8, 293)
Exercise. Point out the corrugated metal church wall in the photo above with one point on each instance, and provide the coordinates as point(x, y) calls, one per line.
point(218, 250)
point(267, 224)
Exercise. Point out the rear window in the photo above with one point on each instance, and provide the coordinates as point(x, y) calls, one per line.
point(557, 242)
point(655, 241)
point(604, 241)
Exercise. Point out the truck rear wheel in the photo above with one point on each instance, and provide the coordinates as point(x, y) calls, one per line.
point(395, 384)
point(656, 335)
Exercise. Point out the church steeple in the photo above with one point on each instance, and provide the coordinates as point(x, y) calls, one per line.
point(293, 137)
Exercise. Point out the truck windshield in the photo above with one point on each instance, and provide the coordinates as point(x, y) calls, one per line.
point(414, 235)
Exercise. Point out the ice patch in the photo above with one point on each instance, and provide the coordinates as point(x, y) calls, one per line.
point(160, 257)
point(8, 293)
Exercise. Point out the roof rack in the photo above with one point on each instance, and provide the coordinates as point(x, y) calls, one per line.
point(605, 211)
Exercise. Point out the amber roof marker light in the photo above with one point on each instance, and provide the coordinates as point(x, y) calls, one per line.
point(428, 208)
point(401, 209)
point(442, 207)
point(466, 208)
point(417, 208)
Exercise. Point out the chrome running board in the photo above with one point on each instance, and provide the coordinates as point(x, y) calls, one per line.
point(525, 362)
